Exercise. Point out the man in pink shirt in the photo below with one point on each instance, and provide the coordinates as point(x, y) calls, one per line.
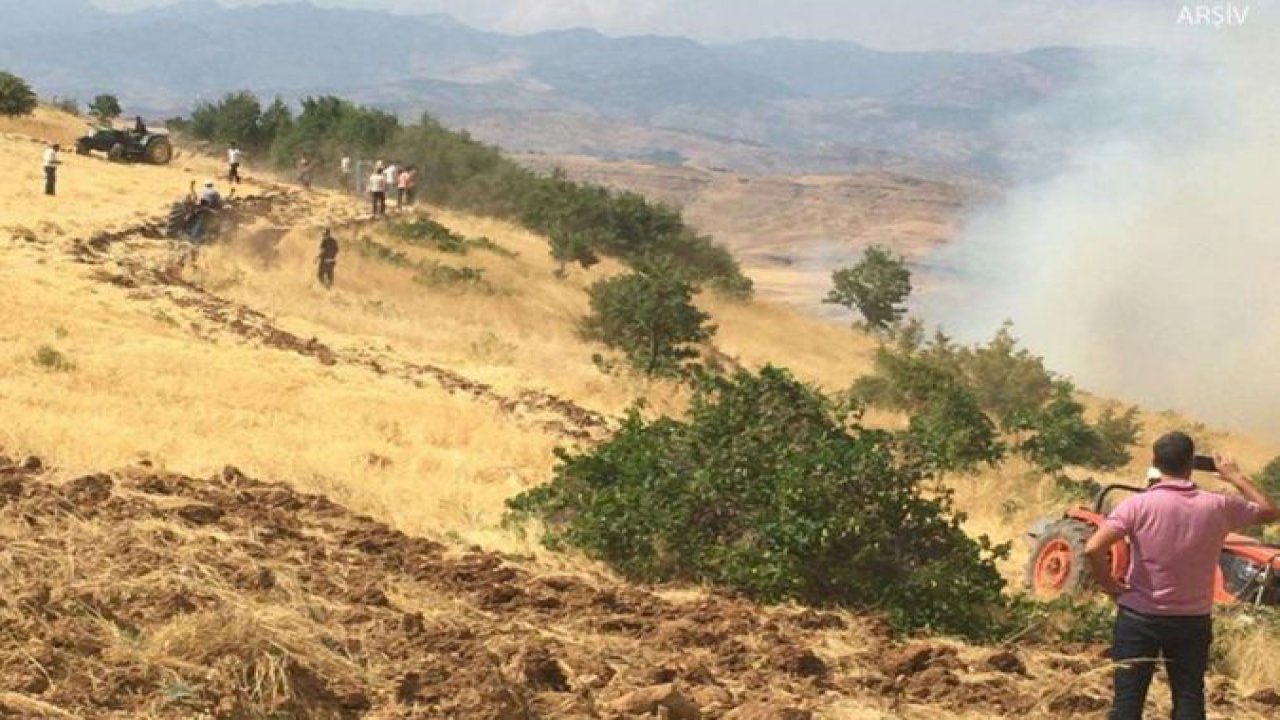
point(1175, 532)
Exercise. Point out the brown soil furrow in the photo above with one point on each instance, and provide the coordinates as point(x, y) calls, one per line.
point(239, 598)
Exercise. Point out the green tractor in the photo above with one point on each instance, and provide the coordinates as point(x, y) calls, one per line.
point(126, 145)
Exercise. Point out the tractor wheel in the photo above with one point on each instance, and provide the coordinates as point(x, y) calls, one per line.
point(82, 147)
point(1057, 565)
point(116, 153)
point(159, 152)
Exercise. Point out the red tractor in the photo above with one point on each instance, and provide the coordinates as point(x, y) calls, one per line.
point(1248, 569)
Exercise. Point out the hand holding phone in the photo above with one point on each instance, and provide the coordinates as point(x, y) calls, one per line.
point(1205, 463)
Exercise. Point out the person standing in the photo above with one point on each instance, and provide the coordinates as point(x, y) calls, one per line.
point(378, 191)
point(328, 258)
point(1175, 532)
point(402, 188)
point(392, 174)
point(344, 173)
point(304, 171)
point(234, 156)
point(51, 163)
point(411, 186)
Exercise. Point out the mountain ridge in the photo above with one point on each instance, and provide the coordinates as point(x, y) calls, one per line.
point(796, 96)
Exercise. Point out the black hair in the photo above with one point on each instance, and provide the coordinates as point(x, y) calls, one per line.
point(1174, 454)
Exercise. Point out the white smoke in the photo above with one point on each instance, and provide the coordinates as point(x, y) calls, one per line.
point(1150, 268)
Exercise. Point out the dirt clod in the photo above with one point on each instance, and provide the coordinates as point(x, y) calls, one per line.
point(1005, 661)
point(657, 698)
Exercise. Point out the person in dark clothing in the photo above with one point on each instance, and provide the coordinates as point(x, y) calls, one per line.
point(328, 258)
point(139, 127)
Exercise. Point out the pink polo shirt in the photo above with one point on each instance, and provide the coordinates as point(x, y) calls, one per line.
point(1175, 533)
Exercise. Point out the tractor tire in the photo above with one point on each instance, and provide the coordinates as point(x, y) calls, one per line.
point(82, 148)
point(1057, 565)
point(116, 153)
point(159, 151)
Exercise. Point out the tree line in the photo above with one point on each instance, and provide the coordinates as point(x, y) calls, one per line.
point(583, 222)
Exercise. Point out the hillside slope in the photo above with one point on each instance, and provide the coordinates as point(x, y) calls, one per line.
point(373, 578)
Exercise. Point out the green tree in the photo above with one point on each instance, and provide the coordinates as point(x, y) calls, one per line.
point(649, 315)
point(105, 108)
point(1058, 434)
point(1269, 478)
point(16, 96)
point(572, 247)
point(772, 489)
point(235, 118)
point(1008, 380)
point(876, 287)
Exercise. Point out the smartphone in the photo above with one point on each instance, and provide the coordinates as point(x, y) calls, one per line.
point(1205, 463)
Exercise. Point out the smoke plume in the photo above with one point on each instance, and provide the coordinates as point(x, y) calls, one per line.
point(1149, 268)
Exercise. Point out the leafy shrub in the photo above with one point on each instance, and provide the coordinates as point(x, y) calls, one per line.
point(425, 232)
point(774, 490)
point(1008, 380)
point(952, 432)
point(877, 286)
point(650, 317)
point(105, 108)
point(426, 272)
point(1269, 478)
point(940, 383)
point(16, 96)
point(1061, 436)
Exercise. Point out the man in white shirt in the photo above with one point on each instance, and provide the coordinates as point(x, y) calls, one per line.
point(344, 173)
point(233, 164)
point(51, 163)
point(378, 192)
point(391, 173)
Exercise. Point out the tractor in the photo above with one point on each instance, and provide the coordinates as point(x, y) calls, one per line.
point(127, 145)
point(1248, 569)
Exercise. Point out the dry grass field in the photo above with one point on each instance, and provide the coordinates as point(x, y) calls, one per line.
point(422, 407)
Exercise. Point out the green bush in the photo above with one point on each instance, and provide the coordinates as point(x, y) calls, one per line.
point(16, 96)
point(959, 396)
point(1008, 380)
point(650, 317)
point(1269, 478)
point(877, 286)
point(769, 488)
point(105, 108)
point(1059, 435)
point(952, 432)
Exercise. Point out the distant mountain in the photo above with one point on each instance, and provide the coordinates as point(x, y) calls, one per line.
point(30, 17)
point(822, 103)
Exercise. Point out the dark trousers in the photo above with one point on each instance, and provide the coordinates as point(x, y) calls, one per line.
point(326, 272)
point(50, 180)
point(379, 203)
point(233, 173)
point(1181, 643)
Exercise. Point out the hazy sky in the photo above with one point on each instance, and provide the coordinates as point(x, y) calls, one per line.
point(888, 24)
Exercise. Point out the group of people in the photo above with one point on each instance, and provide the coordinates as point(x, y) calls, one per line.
point(384, 179)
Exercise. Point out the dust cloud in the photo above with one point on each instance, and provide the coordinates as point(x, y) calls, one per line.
point(1149, 267)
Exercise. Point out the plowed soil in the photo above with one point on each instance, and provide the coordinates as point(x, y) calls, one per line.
point(140, 593)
